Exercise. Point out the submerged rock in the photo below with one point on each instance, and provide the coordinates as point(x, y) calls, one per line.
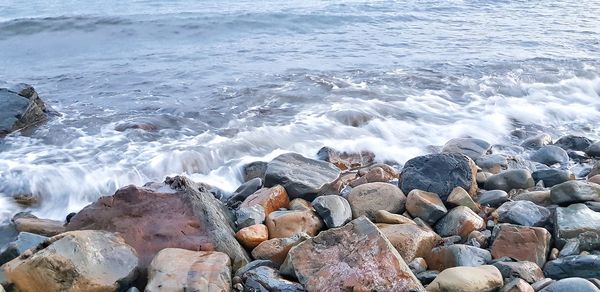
point(21, 108)
point(593, 150)
point(572, 142)
point(345, 160)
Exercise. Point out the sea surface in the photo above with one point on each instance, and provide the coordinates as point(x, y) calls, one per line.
point(218, 84)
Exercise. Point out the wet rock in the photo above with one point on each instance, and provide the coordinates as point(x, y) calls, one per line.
point(493, 198)
point(24, 241)
point(254, 170)
point(334, 210)
point(8, 233)
point(368, 198)
point(54, 266)
point(427, 276)
point(473, 148)
point(456, 255)
point(418, 265)
point(481, 279)
point(347, 261)
point(32, 224)
point(253, 265)
point(537, 142)
point(410, 240)
point(439, 173)
point(572, 142)
point(541, 284)
point(482, 177)
point(21, 108)
point(570, 248)
point(552, 177)
point(517, 285)
point(595, 179)
point(494, 163)
point(577, 222)
point(288, 223)
point(175, 269)
point(300, 205)
point(593, 150)
point(252, 236)
point(276, 249)
point(268, 279)
point(460, 197)
point(528, 271)
point(26, 199)
point(187, 217)
point(587, 266)
point(249, 216)
point(522, 243)
point(459, 221)
point(245, 190)
point(271, 199)
point(523, 213)
point(510, 180)
point(425, 205)
point(541, 198)
point(571, 284)
point(479, 239)
point(386, 217)
point(574, 192)
point(550, 155)
point(345, 160)
point(376, 173)
point(300, 176)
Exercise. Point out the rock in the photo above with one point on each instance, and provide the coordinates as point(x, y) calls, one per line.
point(248, 216)
point(334, 210)
point(276, 249)
point(552, 177)
point(459, 221)
point(32, 224)
point(521, 243)
point(440, 174)
point(383, 216)
point(575, 192)
point(347, 261)
point(587, 266)
point(188, 217)
point(523, 213)
point(572, 142)
point(473, 148)
point(26, 199)
point(21, 108)
point(550, 155)
point(510, 180)
point(175, 269)
point(300, 176)
point(570, 248)
point(252, 236)
point(300, 205)
point(376, 173)
point(517, 162)
point(427, 276)
point(253, 265)
point(467, 279)
point(345, 160)
point(418, 265)
point(541, 284)
point(593, 150)
point(493, 198)
point(24, 241)
point(482, 178)
point(517, 285)
point(8, 234)
point(537, 142)
point(271, 199)
point(528, 271)
point(494, 163)
point(571, 284)
point(254, 170)
point(479, 239)
point(425, 205)
point(577, 222)
point(456, 255)
point(288, 223)
point(410, 240)
point(54, 266)
point(541, 198)
point(368, 198)
point(245, 190)
point(595, 179)
point(268, 279)
point(460, 197)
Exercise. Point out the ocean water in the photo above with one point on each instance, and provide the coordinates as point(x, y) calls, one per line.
point(223, 83)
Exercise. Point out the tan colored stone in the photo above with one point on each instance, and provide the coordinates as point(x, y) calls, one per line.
point(368, 198)
point(425, 205)
point(276, 249)
point(521, 243)
point(299, 204)
point(595, 179)
point(460, 197)
point(459, 221)
point(272, 199)
point(383, 216)
point(467, 279)
point(410, 240)
point(289, 223)
point(175, 269)
point(39, 226)
point(252, 236)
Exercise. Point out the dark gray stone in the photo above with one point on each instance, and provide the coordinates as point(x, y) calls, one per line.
point(254, 170)
point(25, 241)
point(334, 210)
point(577, 222)
point(571, 285)
point(571, 248)
point(248, 216)
point(572, 142)
point(427, 276)
point(523, 213)
point(493, 198)
point(21, 108)
point(474, 148)
point(8, 233)
point(528, 271)
point(593, 150)
point(267, 279)
point(574, 191)
point(301, 177)
point(536, 142)
point(587, 266)
point(492, 163)
point(550, 155)
point(255, 264)
point(552, 177)
point(509, 180)
point(245, 190)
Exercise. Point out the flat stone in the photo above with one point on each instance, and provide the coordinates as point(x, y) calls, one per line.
point(586, 266)
point(456, 255)
point(24, 241)
point(268, 279)
point(577, 222)
point(276, 249)
point(289, 223)
point(528, 271)
point(523, 213)
point(571, 284)
point(483, 278)
point(459, 221)
point(460, 197)
point(45, 227)
point(493, 163)
point(552, 177)
point(575, 191)
point(252, 236)
point(369, 198)
point(471, 147)
point(522, 243)
point(550, 155)
point(493, 198)
point(509, 180)
point(383, 216)
point(271, 199)
point(334, 210)
point(410, 240)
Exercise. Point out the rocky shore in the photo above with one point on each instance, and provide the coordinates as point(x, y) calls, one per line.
point(470, 216)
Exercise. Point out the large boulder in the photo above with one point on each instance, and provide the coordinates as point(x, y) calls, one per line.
point(24, 241)
point(575, 191)
point(301, 177)
point(440, 174)
point(577, 222)
point(521, 243)
point(411, 240)
point(21, 108)
point(587, 266)
point(523, 213)
point(356, 256)
point(369, 198)
point(474, 148)
point(456, 255)
point(175, 269)
point(509, 180)
point(75, 261)
point(182, 216)
point(467, 279)
point(459, 221)
point(334, 210)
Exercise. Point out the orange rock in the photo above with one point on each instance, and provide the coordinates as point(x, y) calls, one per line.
point(289, 223)
point(252, 236)
point(276, 249)
point(270, 198)
point(522, 243)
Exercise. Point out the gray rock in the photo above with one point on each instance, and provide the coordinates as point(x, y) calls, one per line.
point(301, 177)
point(570, 248)
point(427, 276)
point(334, 210)
point(571, 285)
point(493, 163)
point(21, 108)
point(517, 285)
point(248, 216)
point(459, 221)
point(593, 150)
point(255, 264)
point(541, 284)
point(439, 173)
point(369, 198)
point(587, 266)
point(577, 222)
point(509, 180)
point(541, 198)
point(528, 271)
point(550, 155)
point(254, 170)
point(493, 198)
point(536, 142)
point(418, 265)
point(444, 257)
point(8, 233)
point(574, 192)
point(474, 148)
point(572, 142)
point(518, 162)
point(245, 190)
point(25, 241)
point(552, 177)
point(425, 205)
point(266, 279)
point(523, 213)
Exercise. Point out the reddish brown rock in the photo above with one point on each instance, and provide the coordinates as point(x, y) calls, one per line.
point(377, 173)
point(346, 160)
point(276, 249)
point(459, 221)
point(521, 243)
point(181, 216)
point(355, 257)
point(290, 223)
point(444, 257)
point(410, 240)
point(252, 236)
point(271, 199)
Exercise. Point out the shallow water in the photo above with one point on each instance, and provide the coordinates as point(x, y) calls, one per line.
point(228, 82)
